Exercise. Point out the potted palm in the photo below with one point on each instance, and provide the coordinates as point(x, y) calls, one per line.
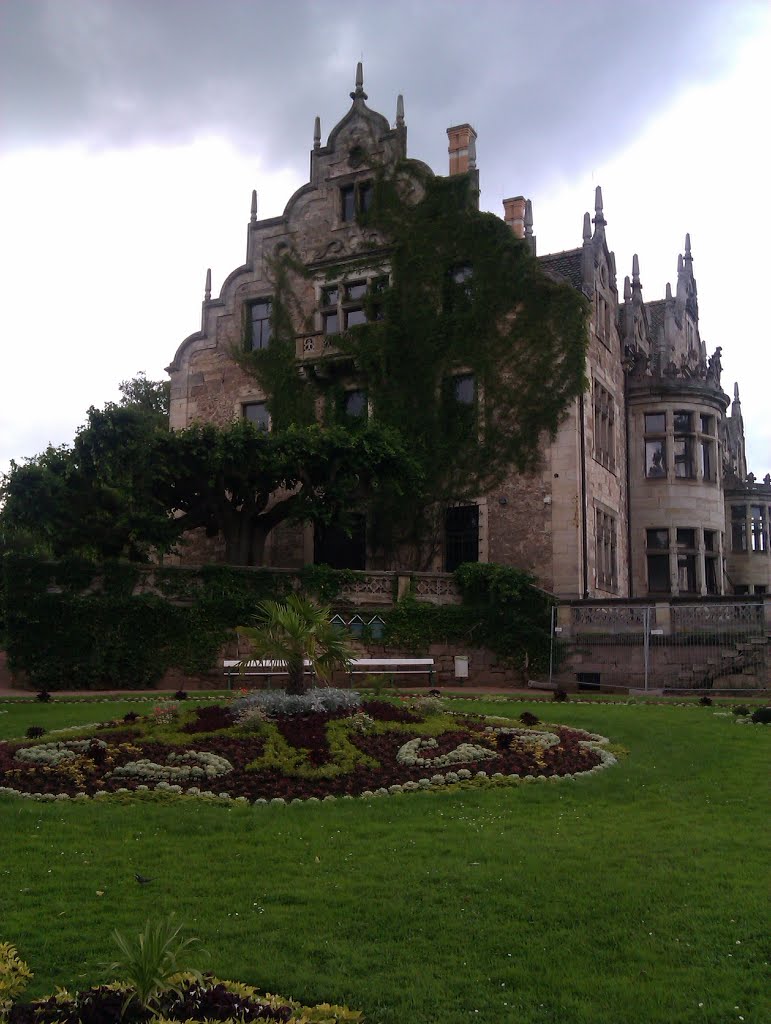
point(295, 631)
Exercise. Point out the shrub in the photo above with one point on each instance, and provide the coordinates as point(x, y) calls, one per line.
point(180, 695)
point(130, 716)
point(279, 702)
point(706, 702)
point(151, 962)
point(762, 716)
point(560, 695)
point(528, 718)
point(34, 732)
point(741, 709)
point(14, 976)
point(44, 696)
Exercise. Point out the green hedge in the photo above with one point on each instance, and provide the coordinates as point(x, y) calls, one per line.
point(75, 624)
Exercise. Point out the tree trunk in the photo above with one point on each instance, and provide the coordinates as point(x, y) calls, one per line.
point(296, 682)
point(246, 544)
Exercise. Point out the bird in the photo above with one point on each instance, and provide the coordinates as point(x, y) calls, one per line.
point(141, 879)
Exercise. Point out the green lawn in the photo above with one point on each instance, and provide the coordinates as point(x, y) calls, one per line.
point(638, 895)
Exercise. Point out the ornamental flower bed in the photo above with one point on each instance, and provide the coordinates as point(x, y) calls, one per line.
point(270, 747)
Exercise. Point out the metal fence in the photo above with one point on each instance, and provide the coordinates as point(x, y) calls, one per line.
point(718, 647)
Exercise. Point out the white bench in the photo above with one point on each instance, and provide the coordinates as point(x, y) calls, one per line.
point(259, 668)
point(357, 667)
point(392, 666)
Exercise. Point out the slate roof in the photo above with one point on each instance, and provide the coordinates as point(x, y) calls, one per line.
point(655, 311)
point(567, 265)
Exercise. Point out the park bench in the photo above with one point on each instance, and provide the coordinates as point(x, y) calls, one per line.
point(357, 667)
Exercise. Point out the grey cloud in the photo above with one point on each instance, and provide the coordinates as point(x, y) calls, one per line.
point(548, 85)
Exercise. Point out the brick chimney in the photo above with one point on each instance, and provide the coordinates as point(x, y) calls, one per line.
point(514, 215)
point(462, 148)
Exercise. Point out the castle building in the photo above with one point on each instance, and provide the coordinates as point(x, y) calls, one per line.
point(644, 492)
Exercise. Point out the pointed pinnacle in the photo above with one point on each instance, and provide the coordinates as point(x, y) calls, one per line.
point(587, 227)
point(635, 270)
point(317, 133)
point(359, 89)
point(688, 247)
point(736, 391)
point(253, 218)
point(679, 264)
point(399, 111)
point(669, 292)
point(598, 200)
point(528, 218)
point(627, 289)
point(207, 286)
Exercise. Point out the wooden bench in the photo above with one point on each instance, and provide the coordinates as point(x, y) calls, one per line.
point(392, 666)
point(259, 668)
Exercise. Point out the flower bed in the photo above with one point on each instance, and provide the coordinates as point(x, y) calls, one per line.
point(263, 748)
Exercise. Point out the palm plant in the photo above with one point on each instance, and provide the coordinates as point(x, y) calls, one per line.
point(153, 962)
point(295, 631)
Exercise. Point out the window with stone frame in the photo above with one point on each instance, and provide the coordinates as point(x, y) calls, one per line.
point(351, 303)
point(706, 448)
point(684, 445)
point(738, 529)
point(355, 199)
point(260, 331)
point(655, 445)
point(461, 536)
point(711, 566)
point(355, 404)
point(605, 543)
point(687, 554)
point(604, 426)
point(758, 522)
point(257, 413)
point(657, 558)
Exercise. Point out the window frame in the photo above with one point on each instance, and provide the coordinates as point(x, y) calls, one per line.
point(265, 322)
point(266, 425)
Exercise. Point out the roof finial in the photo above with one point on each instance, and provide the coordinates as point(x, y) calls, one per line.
point(599, 220)
point(317, 133)
point(587, 227)
point(528, 218)
point(207, 287)
point(627, 289)
point(688, 247)
point(400, 111)
point(253, 218)
point(635, 271)
point(472, 153)
point(736, 391)
point(358, 92)
point(669, 292)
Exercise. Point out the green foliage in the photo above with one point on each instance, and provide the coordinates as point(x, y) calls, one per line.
point(465, 296)
point(294, 631)
point(15, 975)
point(502, 610)
point(153, 962)
point(324, 582)
point(76, 624)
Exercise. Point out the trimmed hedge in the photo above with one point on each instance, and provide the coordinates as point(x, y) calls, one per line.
point(75, 624)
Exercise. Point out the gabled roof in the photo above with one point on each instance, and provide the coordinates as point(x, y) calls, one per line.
point(567, 265)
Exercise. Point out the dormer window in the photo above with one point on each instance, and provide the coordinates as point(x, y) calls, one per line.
point(355, 199)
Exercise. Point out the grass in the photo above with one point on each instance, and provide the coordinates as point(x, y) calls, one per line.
point(630, 897)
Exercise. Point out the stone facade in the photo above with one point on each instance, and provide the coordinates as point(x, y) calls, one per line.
point(644, 491)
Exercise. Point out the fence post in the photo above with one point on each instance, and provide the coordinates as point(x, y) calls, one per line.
point(646, 641)
point(551, 641)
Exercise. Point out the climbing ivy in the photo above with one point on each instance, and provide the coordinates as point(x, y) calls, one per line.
point(465, 297)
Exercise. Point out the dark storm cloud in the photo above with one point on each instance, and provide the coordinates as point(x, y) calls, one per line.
point(548, 85)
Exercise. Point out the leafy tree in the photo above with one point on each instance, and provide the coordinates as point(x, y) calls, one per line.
point(296, 631)
point(150, 395)
point(241, 482)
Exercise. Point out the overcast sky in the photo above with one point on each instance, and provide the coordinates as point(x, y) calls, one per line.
point(133, 131)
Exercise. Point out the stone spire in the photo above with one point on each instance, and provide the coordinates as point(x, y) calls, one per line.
point(317, 133)
point(636, 285)
point(253, 217)
point(530, 237)
point(358, 93)
point(587, 228)
point(400, 111)
point(627, 289)
point(598, 219)
point(207, 286)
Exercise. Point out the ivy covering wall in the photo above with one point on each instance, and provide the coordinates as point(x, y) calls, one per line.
point(76, 625)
